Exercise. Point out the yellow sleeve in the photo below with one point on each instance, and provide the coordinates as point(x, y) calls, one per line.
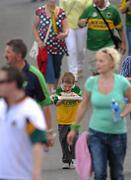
point(88, 2)
point(123, 6)
point(61, 4)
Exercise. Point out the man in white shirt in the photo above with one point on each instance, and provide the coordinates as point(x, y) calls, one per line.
point(22, 130)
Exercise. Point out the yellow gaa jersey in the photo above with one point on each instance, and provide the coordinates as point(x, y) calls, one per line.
point(66, 111)
point(98, 35)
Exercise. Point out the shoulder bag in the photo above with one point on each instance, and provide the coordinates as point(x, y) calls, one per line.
point(42, 56)
point(116, 40)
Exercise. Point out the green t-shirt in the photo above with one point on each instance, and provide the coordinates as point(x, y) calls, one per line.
point(101, 118)
point(98, 35)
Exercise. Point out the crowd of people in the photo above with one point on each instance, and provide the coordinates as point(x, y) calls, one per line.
point(75, 28)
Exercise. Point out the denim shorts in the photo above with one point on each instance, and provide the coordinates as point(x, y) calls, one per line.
point(107, 148)
point(53, 68)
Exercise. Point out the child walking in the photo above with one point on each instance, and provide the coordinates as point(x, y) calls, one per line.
point(66, 99)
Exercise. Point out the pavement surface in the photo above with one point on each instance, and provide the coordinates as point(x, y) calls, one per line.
point(16, 17)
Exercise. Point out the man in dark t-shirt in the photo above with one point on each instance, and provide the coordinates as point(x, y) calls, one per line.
point(35, 85)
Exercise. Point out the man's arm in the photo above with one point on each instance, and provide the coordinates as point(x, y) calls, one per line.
point(47, 113)
point(37, 161)
point(50, 131)
point(123, 41)
point(38, 137)
point(83, 19)
point(119, 27)
point(41, 95)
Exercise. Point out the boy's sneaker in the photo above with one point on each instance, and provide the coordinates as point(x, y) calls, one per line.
point(73, 164)
point(66, 166)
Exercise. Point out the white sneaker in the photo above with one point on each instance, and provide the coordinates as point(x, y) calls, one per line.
point(66, 166)
point(73, 164)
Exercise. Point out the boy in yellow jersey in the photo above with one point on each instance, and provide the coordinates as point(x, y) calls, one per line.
point(67, 99)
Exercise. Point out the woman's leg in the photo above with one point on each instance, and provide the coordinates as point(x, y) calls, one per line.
point(50, 74)
point(57, 62)
point(72, 50)
point(99, 151)
point(81, 34)
point(117, 152)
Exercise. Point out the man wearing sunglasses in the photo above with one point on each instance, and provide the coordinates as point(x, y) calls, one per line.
point(22, 129)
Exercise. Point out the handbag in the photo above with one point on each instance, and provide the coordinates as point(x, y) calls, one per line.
point(42, 56)
point(116, 40)
point(34, 50)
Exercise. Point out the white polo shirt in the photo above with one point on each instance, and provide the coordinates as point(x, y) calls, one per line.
point(15, 144)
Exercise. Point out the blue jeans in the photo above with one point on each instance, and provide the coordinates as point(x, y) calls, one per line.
point(53, 68)
point(128, 31)
point(106, 148)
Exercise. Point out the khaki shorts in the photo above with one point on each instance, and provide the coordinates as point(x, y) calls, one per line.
point(91, 60)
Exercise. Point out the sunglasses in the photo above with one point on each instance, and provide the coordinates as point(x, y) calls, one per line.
point(4, 81)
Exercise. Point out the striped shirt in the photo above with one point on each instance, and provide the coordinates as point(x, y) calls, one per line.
point(126, 67)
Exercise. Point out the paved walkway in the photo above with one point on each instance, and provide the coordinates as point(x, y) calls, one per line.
point(16, 17)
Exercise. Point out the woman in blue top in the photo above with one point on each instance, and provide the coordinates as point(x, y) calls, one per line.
point(107, 139)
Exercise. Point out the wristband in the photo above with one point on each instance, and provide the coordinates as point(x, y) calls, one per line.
point(56, 99)
point(75, 127)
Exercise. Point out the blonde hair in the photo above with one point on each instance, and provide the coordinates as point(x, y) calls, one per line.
point(113, 54)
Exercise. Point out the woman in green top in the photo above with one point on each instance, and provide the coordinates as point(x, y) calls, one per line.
point(107, 138)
